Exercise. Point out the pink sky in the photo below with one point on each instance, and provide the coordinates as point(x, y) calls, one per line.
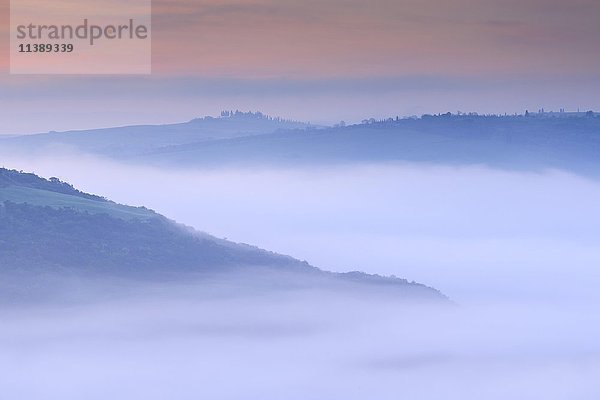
point(308, 38)
point(532, 43)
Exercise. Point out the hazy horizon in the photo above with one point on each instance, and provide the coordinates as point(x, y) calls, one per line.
point(215, 113)
point(328, 61)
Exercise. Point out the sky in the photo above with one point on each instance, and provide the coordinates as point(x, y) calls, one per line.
point(324, 61)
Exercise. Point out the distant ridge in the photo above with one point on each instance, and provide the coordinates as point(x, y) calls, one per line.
point(126, 141)
point(535, 142)
point(528, 142)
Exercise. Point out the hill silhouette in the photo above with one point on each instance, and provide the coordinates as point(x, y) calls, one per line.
point(48, 227)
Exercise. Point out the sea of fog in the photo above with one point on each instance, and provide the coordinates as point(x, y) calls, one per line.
point(477, 234)
point(516, 251)
point(175, 343)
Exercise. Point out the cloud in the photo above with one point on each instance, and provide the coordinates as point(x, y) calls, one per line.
point(477, 234)
point(518, 251)
point(173, 340)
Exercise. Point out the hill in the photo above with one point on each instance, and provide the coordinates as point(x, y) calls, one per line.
point(564, 141)
point(511, 142)
point(134, 140)
point(47, 227)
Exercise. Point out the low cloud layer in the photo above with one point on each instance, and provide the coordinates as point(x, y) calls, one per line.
point(175, 343)
point(476, 234)
point(517, 252)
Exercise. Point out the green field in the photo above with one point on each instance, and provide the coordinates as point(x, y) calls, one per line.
point(37, 197)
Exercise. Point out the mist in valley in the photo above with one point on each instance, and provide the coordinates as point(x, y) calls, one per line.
point(195, 340)
point(515, 251)
point(477, 234)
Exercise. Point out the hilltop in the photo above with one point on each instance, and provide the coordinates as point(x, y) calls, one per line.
point(126, 141)
point(532, 142)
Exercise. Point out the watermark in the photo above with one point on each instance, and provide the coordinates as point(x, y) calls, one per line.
point(80, 37)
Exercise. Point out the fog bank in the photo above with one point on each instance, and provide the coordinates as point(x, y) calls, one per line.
point(477, 234)
point(178, 343)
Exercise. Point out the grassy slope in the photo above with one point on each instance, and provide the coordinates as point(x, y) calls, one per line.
point(45, 230)
point(38, 197)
